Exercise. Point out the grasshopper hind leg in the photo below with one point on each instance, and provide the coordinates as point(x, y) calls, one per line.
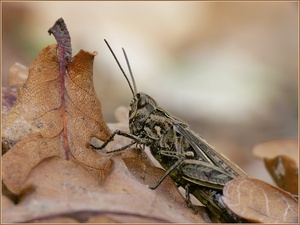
point(188, 198)
point(166, 174)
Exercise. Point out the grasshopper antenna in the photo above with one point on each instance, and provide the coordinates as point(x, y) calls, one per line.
point(130, 71)
point(112, 52)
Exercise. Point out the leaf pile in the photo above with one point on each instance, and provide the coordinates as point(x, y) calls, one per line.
point(50, 174)
point(58, 190)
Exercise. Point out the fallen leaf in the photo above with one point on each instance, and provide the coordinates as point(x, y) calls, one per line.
point(258, 201)
point(284, 172)
point(272, 149)
point(54, 118)
point(282, 161)
point(66, 192)
point(38, 110)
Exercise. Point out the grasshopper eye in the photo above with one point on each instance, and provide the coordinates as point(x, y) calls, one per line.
point(141, 102)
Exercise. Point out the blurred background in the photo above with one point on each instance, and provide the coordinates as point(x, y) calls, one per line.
point(229, 69)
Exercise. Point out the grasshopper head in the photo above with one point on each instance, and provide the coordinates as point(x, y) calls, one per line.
point(141, 107)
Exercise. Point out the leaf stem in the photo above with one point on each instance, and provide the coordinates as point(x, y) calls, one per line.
point(63, 39)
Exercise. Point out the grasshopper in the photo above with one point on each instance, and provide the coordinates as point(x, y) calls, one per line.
point(187, 158)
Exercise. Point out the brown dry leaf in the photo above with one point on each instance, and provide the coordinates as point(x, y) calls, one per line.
point(66, 192)
point(272, 149)
point(284, 172)
point(257, 201)
point(282, 161)
point(36, 122)
point(17, 75)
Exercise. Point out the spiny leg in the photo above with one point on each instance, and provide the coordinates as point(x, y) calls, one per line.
point(121, 133)
point(166, 174)
point(188, 199)
point(122, 148)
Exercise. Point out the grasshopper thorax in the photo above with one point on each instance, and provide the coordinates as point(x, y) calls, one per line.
point(141, 107)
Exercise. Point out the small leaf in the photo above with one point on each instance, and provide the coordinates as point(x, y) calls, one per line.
point(282, 162)
point(257, 201)
point(284, 172)
point(272, 149)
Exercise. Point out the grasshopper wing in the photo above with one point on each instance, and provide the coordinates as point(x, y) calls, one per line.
point(207, 153)
point(204, 174)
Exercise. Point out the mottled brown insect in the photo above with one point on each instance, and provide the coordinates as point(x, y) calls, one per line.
point(187, 158)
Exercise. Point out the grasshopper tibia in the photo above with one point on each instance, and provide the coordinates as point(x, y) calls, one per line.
point(188, 199)
point(136, 140)
point(166, 174)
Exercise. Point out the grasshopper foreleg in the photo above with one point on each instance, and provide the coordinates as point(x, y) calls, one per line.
point(122, 148)
point(124, 134)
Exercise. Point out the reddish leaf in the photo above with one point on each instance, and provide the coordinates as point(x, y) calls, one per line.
point(257, 201)
point(282, 162)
